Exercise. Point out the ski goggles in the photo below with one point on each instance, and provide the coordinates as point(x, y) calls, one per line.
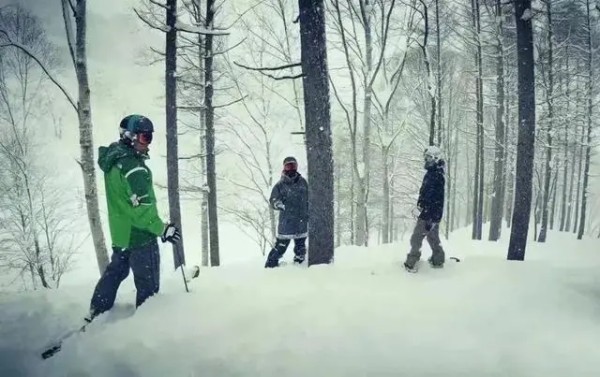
point(290, 166)
point(144, 138)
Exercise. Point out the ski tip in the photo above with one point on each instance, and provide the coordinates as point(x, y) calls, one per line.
point(455, 259)
point(51, 351)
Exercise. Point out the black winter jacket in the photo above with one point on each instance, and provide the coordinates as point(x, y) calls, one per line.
point(293, 194)
point(431, 194)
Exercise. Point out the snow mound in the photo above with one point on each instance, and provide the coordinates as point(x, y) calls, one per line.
point(362, 316)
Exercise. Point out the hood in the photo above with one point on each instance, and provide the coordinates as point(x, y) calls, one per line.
point(108, 156)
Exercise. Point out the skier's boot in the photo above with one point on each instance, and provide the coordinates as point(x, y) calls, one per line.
point(433, 265)
point(409, 268)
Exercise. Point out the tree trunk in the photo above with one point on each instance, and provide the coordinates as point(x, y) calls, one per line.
point(526, 139)
point(352, 209)
point(509, 180)
point(499, 159)
point(211, 173)
point(392, 221)
point(202, 126)
point(338, 212)
point(553, 190)
point(362, 232)
point(479, 161)
point(550, 102)
point(563, 205)
point(171, 126)
point(386, 198)
point(579, 158)
point(86, 140)
point(588, 141)
point(318, 130)
point(439, 80)
point(429, 75)
point(571, 186)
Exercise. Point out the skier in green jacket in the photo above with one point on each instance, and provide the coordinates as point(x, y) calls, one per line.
point(133, 216)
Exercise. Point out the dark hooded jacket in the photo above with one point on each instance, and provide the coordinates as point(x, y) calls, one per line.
point(292, 192)
point(431, 194)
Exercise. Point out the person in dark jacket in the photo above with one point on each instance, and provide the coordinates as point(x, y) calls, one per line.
point(431, 207)
point(290, 197)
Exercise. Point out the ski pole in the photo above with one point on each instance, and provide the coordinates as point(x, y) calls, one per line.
point(181, 265)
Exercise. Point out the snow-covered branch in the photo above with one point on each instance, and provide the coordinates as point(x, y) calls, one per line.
point(262, 69)
point(186, 28)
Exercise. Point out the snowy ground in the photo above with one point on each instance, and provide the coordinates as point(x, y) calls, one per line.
point(362, 316)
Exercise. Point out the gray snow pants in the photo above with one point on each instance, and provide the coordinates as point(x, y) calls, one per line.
point(433, 238)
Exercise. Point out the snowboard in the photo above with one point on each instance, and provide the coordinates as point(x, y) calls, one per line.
point(415, 269)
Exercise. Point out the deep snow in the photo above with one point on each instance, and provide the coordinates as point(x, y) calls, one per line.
point(362, 316)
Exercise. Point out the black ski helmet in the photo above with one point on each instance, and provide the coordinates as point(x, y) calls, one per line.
point(135, 124)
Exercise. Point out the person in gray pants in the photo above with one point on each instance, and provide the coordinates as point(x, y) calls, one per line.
point(431, 207)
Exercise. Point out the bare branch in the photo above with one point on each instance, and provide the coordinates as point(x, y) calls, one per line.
point(243, 14)
point(31, 55)
point(164, 6)
point(72, 5)
point(192, 157)
point(230, 103)
point(162, 28)
point(69, 28)
point(279, 68)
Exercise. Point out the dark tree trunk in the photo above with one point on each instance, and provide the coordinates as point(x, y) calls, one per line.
point(499, 159)
point(439, 78)
point(479, 160)
point(338, 212)
point(429, 78)
point(318, 130)
point(526, 139)
point(171, 125)
point(588, 137)
point(211, 171)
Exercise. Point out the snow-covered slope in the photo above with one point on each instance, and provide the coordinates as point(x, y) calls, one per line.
point(362, 316)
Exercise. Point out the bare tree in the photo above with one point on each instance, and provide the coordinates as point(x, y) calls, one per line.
point(76, 41)
point(500, 152)
point(318, 131)
point(33, 240)
point(365, 55)
point(525, 152)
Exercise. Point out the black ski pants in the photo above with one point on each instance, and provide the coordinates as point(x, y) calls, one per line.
point(280, 248)
point(144, 261)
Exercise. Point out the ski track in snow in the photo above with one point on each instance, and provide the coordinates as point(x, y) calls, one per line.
point(362, 316)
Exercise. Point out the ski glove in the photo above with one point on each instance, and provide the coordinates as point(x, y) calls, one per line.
point(171, 234)
point(278, 205)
